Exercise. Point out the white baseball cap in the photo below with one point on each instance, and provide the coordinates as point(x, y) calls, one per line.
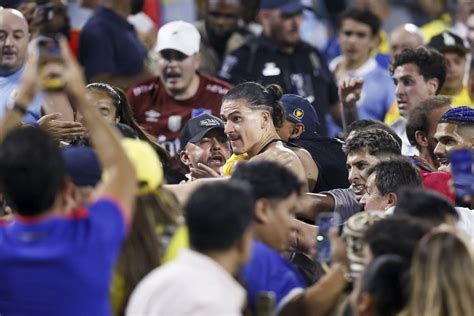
point(179, 35)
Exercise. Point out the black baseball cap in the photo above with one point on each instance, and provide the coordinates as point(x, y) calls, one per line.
point(448, 42)
point(197, 127)
point(285, 6)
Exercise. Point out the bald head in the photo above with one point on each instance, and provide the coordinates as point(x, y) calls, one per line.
point(405, 36)
point(14, 39)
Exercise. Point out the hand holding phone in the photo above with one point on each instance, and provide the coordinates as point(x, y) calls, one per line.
point(325, 221)
point(50, 63)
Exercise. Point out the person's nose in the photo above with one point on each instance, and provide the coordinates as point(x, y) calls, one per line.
point(440, 150)
point(353, 174)
point(8, 41)
point(228, 127)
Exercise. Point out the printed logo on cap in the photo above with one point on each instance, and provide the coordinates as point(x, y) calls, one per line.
point(448, 40)
point(298, 113)
point(209, 122)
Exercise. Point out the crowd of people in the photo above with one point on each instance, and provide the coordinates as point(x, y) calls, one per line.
point(275, 157)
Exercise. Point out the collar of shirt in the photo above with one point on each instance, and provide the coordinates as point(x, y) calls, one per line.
point(363, 70)
point(14, 77)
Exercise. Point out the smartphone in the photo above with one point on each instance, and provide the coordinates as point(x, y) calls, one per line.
point(45, 10)
point(462, 171)
point(50, 52)
point(325, 221)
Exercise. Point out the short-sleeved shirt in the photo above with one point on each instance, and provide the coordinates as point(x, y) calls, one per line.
point(108, 44)
point(61, 265)
point(378, 91)
point(303, 72)
point(191, 285)
point(164, 117)
point(268, 271)
point(8, 90)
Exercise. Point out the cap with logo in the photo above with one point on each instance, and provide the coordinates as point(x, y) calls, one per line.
point(448, 42)
point(178, 35)
point(299, 110)
point(285, 6)
point(197, 127)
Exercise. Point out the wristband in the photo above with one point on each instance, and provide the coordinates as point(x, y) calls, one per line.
point(19, 108)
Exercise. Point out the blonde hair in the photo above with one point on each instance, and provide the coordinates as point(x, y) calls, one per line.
point(442, 277)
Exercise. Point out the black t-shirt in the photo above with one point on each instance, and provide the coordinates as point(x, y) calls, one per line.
point(331, 160)
point(304, 72)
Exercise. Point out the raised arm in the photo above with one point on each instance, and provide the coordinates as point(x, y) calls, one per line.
point(121, 182)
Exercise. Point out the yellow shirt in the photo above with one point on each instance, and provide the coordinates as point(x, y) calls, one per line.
point(231, 162)
point(462, 98)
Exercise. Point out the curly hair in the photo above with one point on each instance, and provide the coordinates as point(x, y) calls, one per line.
point(431, 63)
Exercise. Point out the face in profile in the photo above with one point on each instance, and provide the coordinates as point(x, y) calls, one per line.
point(450, 136)
point(243, 125)
point(280, 222)
point(373, 200)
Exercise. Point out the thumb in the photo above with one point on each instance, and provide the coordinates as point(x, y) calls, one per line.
point(51, 117)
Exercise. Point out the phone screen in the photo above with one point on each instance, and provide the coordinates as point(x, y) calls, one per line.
point(462, 171)
point(325, 222)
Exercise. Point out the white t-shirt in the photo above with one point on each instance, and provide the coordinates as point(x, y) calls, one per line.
point(193, 284)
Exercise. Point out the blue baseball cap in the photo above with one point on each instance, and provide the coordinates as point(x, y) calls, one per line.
point(299, 110)
point(286, 6)
point(82, 165)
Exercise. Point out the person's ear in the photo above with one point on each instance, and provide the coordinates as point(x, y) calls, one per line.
point(365, 304)
point(421, 139)
point(183, 155)
point(262, 211)
point(296, 131)
point(375, 41)
point(433, 85)
point(266, 118)
point(263, 16)
point(244, 245)
point(391, 199)
point(68, 195)
point(197, 60)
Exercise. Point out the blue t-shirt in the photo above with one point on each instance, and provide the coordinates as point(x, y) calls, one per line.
point(268, 271)
point(378, 93)
point(108, 45)
point(61, 265)
point(8, 89)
